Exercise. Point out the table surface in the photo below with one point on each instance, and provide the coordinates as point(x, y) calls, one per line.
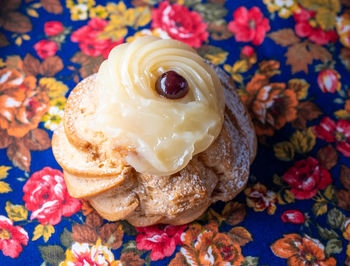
point(290, 61)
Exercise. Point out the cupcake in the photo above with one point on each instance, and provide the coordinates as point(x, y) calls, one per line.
point(156, 136)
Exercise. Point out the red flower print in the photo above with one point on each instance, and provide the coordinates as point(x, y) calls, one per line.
point(293, 216)
point(46, 195)
point(249, 26)
point(53, 28)
point(338, 132)
point(180, 23)
point(89, 43)
point(46, 48)
point(11, 238)
point(305, 27)
point(161, 239)
point(247, 51)
point(328, 80)
point(306, 177)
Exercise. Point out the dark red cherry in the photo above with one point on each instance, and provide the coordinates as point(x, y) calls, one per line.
point(172, 85)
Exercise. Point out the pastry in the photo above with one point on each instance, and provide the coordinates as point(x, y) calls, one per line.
point(156, 136)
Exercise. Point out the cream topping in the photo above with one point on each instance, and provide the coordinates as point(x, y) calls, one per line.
point(160, 135)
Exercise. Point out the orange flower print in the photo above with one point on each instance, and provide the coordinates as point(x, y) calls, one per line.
point(259, 198)
point(84, 254)
point(217, 247)
point(343, 29)
point(347, 106)
point(346, 232)
point(21, 104)
point(271, 105)
point(301, 251)
point(206, 246)
point(344, 114)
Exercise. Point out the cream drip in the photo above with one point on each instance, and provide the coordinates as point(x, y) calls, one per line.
point(162, 135)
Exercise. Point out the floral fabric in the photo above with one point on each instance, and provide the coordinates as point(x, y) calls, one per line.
point(290, 60)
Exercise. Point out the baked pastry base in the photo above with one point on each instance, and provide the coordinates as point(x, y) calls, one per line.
point(95, 168)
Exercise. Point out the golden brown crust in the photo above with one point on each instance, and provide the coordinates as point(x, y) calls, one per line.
point(80, 187)
point(81, 162)
point(121, 201)
point(218, 173)
point(237, 111)
point(74, 109)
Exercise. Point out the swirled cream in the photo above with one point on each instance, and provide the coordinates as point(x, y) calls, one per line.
point(164, 134)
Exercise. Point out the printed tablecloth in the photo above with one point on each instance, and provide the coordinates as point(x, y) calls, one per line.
point(290, 60)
